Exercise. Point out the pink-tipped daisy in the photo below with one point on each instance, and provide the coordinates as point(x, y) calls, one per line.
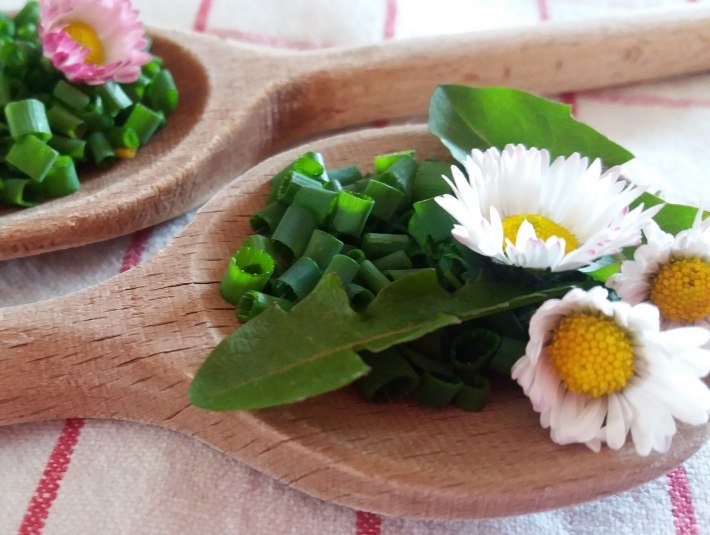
point(93, 41)
point(519, 208)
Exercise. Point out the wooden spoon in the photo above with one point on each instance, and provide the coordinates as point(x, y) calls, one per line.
point(129, 347)
point(241, 103)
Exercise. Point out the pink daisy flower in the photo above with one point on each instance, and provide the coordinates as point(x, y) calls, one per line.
point(93, 41)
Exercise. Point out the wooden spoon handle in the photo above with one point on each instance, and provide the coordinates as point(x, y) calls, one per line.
point(396, 80)
point(114, 350)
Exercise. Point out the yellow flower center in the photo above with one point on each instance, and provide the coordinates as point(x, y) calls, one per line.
point(681, 290)
point(592, 354)
point(544, 228)
point(87, 37)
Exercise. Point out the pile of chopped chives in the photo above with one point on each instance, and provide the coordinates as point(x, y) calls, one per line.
point(371, 230)
point(49, 124)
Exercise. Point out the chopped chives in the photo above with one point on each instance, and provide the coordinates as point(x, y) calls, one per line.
point(472, 396)
point(377, 245)
point(75, 148)
point(384, 161)
point(100, 149)
point(400, 174)
point(162, 93)
point(351, 213)
point(359, 296)
point(113, 98)
point(249, 269)
point(32, 156)
point(372, 277)
point(62, 178)
point(397, 260)
point(298, 280)
point(144, 121)
point(322, 247)
point(317, 200)
point(391, 377)
point(65, 122)
point(28, 117)
point(345, 267)
point(387, 199)
point(21, 192)
point(434, 219)
point(292, 184)
point(345, 175)
point(122, 137)
point(293, 232)
point(253, 303)
point(71, 96)
point(428, 181)
point(267, 219)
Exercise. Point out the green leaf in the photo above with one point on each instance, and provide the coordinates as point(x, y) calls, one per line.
point(464, 118)
point(281, 357)
point(673, 217)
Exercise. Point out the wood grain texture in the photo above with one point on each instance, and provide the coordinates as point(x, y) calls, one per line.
point(242, 103)
point(128, 349)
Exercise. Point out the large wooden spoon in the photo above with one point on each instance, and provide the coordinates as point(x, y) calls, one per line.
point(241, 103)
point(129, 347)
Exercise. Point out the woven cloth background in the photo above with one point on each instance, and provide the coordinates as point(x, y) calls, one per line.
point(79, 476)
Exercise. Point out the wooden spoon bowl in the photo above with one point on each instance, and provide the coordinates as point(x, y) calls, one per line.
point(242, 103)
point(129, 347)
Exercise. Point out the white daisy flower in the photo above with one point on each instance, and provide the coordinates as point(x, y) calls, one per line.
point(671, 272)
point(596, 369)
point(519, 209)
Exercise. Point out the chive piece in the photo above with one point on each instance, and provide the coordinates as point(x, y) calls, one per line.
point(249, 269)
point(357, 254)
point(434, 219)
point(387, 199)
point(5, 91)
point(71, 96)
point(373, 278)
point(137, 90)
point(113, 97)
point(95, 118)
point(384, 161)
point(437, 384)
point(29, 14)
point(294, 232)
point(322, 247)
point(21, 192)
point(267, 219)
point(359, 297)
point(299, 280)
point(27, 117)
point(162, 94)
point(351, 213)
point(32, 156)
point(292, 184)
point(312, 165)
point(396, 260)
point(334, 185)
point(345, 267)
point(253, 303)
point(390, 379)
point(471, 351)
point(262, 243)
point(13, 57)
point(428, 181)
point(75, 148)
point(153, 67)
point(345, 175)
point(65, 122)
point(61, 179)
point(100, 149)
point(472, 396)
point(358, 186)
point(144, 121)
point(122, 137)
point(378, 245)
point(317, 200)
point(401, 174)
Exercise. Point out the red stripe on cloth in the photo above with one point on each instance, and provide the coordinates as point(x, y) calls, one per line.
point(571, 99)
point(390, 19)
point(647, 100)
point(266, 40)
point(367, 524)
point(203, 15)
point(135, 250)
point(542, 10)
point(48, 487)
point(682, 502)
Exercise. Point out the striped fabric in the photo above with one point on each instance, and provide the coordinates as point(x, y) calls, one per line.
point(109, 477)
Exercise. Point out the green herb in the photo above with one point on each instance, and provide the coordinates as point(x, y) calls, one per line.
point(281, 357)
point(465, 118)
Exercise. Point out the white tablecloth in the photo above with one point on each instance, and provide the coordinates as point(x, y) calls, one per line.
point(93, 476)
